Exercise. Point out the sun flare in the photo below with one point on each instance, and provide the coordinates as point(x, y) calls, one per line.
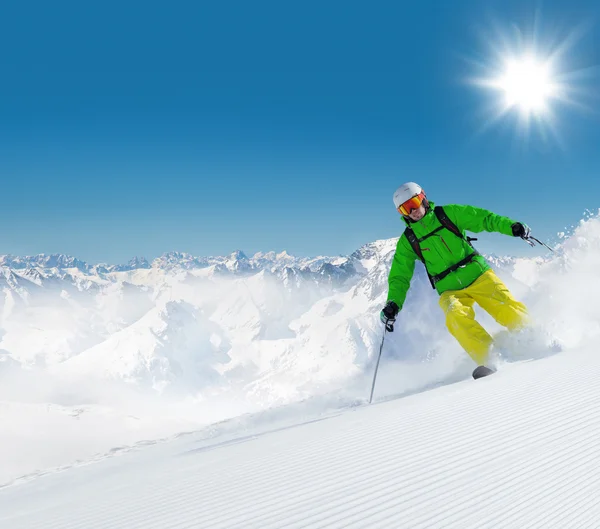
point(528, 77)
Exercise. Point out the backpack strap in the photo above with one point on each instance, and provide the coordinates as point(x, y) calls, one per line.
point(449, 225)
point(414, 242)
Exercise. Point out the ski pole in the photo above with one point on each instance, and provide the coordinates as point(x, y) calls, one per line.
point(377, 365)
point(528, 241)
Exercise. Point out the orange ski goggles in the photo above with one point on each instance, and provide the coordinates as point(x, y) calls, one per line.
point(415, 202)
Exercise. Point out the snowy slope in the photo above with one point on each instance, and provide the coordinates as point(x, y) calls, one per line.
point(516, 450)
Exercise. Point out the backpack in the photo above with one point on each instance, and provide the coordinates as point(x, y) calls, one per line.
point(450, 226)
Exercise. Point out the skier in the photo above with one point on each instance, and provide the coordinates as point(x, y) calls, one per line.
point(461, 276)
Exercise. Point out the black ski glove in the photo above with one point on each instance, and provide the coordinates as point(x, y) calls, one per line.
point(388, 315)
point(520, 230)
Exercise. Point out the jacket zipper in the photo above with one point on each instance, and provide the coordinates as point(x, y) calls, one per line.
point(445, 244)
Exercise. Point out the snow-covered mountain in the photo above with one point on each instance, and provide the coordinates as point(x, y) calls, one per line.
point(236, 262)
point(259, 311)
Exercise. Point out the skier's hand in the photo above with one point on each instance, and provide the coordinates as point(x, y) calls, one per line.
point(520, 230)
point(388, 315)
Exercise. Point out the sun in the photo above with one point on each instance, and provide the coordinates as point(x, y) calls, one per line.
point(529, 77)
point(527, 84)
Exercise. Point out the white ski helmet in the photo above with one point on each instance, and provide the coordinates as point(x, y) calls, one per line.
point(406, 192)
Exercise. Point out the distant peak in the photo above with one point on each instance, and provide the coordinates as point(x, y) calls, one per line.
point(237, 255)
point(176, 255)
point(139, 262)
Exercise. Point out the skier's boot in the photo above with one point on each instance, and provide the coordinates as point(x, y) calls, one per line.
point(482, 371)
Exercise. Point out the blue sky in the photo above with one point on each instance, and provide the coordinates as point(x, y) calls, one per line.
point(138, 128)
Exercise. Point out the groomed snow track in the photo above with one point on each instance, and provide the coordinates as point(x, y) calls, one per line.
point(519, 449)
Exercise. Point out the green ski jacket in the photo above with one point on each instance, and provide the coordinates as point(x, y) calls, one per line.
point(444, 249)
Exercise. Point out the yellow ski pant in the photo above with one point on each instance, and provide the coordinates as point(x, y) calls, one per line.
point(492, 295)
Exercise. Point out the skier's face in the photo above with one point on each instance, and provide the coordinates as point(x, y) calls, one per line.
point(417, 214)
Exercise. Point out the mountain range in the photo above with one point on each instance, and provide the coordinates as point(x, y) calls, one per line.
point(148, 349)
